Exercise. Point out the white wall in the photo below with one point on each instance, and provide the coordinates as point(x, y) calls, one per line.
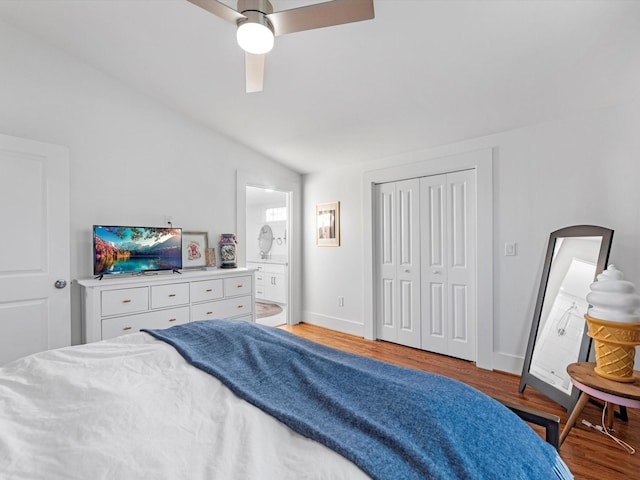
point(579, 170)
point(132, 159)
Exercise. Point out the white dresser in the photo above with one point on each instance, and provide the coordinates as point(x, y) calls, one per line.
point(120, 305)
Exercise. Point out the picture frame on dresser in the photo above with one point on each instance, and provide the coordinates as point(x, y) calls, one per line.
point(194, 247)
point(210, 254)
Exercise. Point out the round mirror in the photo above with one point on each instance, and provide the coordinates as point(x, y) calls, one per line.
point(265, 240)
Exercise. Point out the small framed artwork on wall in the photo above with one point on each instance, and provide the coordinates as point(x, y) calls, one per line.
point(328, 224)
point(194, 247)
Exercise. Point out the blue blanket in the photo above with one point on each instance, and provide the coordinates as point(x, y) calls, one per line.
point(393, 422)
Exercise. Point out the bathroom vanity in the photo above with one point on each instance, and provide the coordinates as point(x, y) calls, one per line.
point(270, 280)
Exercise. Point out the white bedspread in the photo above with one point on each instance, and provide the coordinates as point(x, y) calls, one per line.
point(132, 408)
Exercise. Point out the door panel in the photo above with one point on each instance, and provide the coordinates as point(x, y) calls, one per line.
point(397, 259)
point(408, 268)
point(435, 317)
point(459, 313)
point(461, 272)
point(34, 249)
point(406, 306)
point(448, 292)
point(459, 238)
point(386, 262)
point(387, 303)
point(433, 207)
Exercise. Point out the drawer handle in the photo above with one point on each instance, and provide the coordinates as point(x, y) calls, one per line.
point(172, 319)
point(209, 290)
point(126, 301)
point(127, 328)
point(209, 313)
point(240, 306)
point(240, 286)
point(172, 295)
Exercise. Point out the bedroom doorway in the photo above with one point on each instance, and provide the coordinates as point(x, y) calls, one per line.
point(267, 250)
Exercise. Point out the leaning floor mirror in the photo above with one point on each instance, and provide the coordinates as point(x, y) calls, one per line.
point(575, 256)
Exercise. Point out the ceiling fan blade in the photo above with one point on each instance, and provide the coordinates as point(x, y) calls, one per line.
point(319, 15)
point(219, 9)
point(254, 71)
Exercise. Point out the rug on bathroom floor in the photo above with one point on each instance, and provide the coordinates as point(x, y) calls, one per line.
point(267, 309)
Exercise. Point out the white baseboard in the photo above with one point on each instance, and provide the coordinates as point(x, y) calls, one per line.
point(503, 362)
point(506, 362)
point(334, 323)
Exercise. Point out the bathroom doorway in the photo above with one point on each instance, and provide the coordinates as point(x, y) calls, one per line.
point(268, 251)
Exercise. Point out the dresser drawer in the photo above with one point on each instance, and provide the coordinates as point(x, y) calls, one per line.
point(227, 308)
point(237, 286)
point(127, 300)
point(172, 295)
point(259, 278)
point(114, 327)
point(206, 290)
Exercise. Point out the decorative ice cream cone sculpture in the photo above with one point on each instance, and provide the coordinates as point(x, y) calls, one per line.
point(614, 324)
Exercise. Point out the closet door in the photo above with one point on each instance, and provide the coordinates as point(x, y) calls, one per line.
point(448, 230)
point(397, 250)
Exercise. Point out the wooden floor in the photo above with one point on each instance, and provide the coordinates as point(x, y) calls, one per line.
point(589, 454)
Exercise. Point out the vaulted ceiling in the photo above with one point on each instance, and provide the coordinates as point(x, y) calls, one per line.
point(421, 74)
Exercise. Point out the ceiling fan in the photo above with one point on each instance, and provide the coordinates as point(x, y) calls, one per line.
point(257, 24)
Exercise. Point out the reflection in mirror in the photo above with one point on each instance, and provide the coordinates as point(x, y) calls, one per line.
point(575, 256)
point(562, 318)
point(265, 241)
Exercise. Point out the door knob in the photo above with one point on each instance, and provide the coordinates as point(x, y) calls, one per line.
point(60, 283)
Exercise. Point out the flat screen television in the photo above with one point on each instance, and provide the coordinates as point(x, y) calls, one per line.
point(122, 249)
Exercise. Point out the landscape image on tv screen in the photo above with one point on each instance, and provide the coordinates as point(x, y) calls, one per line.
point(136, 249)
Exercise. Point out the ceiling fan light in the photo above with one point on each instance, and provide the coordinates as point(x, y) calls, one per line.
point(255, 35)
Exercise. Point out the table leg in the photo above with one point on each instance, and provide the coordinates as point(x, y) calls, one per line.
point(577, 410)
point(609, 416)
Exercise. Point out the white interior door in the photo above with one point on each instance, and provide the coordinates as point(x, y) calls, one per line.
point(34, 247)
point(448, 230)
point(398, 261)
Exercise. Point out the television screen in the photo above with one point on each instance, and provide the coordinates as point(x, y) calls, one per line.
point(118, 249)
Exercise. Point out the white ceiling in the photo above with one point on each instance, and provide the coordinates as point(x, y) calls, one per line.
point(421, 74)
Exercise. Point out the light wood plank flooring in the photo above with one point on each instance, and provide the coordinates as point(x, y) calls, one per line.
point(589, 454)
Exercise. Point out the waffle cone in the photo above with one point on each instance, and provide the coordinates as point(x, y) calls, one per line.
point(615, 347)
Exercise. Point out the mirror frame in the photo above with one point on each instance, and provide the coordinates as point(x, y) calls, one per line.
point(566, 400)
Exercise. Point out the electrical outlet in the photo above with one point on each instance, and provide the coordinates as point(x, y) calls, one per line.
point(510, 249)
point(341, 301)
point(168, 220)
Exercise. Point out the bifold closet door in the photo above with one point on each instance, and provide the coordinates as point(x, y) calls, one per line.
point(448, 231)
point(397, 250)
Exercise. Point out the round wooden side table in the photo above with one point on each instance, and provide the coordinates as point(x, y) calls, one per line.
point(594, 386)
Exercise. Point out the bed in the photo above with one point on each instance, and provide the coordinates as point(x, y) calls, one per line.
point(235, 400)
